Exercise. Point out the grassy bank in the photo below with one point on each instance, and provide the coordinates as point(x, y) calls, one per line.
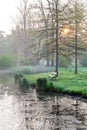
point(67, 82)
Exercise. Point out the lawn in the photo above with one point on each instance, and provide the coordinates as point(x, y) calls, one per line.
point(67, 82)
point(33, 77)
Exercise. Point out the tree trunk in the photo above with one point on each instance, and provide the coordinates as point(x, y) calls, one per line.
point(76, 40)
point(57, 25)
point(52, 59)
point(47, 44)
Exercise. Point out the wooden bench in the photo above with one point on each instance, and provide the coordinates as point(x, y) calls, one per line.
point(53, 75)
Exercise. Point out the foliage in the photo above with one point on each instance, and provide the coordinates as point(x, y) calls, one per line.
point(32, 69)
point(83, 60)
point(17, 77)
point(41, 83)
point(29, 61)
point(7, 61)
point(26, 71)
point(32, 41)
point(23, 82)
point(64, 61)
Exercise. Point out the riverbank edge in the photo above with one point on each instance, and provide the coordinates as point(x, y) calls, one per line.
point(66, 85)
point(67, 94)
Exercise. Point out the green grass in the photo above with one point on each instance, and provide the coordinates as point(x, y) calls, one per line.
point(32, 78)
point(67, 82)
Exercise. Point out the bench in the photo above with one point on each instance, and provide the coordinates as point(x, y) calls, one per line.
point(53, 75)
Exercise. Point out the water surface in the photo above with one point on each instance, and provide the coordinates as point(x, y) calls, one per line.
point(33, 111)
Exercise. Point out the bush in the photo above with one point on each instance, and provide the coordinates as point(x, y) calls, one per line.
point(32, 69)
point(44, 86)
point(17, 77)
point(42, 83)
point(7, 61)
point(23, 82)
point(26, 71)
point(39, 83)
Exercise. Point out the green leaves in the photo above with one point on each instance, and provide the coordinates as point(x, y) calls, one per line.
point(7, 61)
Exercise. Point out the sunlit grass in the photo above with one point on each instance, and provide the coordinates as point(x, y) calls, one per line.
point(67, 82)
point(34, 77)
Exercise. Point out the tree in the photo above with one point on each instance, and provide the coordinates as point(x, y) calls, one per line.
point(53, 9)
point(42, 27)
point(77, 11)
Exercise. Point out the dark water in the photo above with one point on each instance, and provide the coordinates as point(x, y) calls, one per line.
point(32, 111)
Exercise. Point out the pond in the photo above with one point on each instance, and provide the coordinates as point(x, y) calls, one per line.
point(33, 111)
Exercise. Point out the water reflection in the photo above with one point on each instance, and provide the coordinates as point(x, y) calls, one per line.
point(54, 113)
point(10, 116)
point(30, 110)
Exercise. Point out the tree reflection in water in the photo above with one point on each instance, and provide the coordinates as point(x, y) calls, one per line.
point(29, 110)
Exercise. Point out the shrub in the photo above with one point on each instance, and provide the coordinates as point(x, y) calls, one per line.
point(42, 83)
point(23, 82)
point(17, 77)
point(7, 61)
point(39, 83)
point(32, 69)
point(26, 71)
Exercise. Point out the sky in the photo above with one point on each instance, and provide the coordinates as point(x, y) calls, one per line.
point(8, 12)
